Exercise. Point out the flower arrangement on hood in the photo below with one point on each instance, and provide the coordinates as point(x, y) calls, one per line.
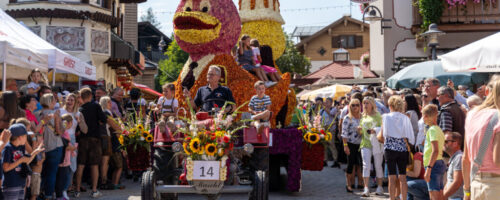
point(212, 143)
point(313, 130)
point(136, 134)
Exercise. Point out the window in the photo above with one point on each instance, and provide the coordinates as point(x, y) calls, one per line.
point(347, 41)
point(322, 51)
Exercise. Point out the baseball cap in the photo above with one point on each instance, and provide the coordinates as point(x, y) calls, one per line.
point(18, 130)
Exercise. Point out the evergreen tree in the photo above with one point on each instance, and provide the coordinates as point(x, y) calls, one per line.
point(151, 18)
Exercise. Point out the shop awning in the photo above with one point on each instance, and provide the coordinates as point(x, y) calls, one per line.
point(146, 89)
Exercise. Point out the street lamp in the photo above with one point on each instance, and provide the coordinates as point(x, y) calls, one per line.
point(341, 55)
point(432, 38)
point(374, 15)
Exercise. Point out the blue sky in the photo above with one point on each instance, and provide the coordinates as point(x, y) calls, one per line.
point(295, 12)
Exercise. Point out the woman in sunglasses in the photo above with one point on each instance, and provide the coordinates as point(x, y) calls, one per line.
point(352, 140)
point(370, 124)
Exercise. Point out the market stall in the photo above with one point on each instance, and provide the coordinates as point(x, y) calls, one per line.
point(57, 59)
point(16, 53)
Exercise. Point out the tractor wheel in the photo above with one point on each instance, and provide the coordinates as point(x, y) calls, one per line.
point(148, 186)
point(260, 186)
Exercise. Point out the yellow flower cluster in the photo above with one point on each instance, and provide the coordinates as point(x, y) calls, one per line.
point(267, 32)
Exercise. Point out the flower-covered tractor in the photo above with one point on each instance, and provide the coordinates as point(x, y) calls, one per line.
point(212, 159)
point(212, 152)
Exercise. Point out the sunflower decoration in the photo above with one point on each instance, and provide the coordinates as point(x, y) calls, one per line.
point(328, 136)
point(195, 146)
point(311, 126)
point(211, 149)
point(140, 128)
point(121, 139)
point(313, 138)
point(149, 138)
point(145, 134)
point(185, 147)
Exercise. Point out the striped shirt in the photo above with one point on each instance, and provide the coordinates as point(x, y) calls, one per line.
point(258, 105)
point(445, 121)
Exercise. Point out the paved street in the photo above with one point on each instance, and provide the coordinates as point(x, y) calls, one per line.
point(327, 184)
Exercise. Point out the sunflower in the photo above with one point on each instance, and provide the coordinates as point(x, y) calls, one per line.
point(186, 150)
point(145, 134)
point(314, 130)
point(132, 130)
point(211, 149)
point(194, 145)
point(140, 127)
point(121, 139)
point(328, 136)
point(313, 138)
point(306, 136)
point(149, 138)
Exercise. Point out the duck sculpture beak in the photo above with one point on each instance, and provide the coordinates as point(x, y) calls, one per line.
point(196, 27)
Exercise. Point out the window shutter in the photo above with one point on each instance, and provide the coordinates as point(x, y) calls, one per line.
point(336, 42)
point(359, 41)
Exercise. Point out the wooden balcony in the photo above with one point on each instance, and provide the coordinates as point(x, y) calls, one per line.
point(472, 17)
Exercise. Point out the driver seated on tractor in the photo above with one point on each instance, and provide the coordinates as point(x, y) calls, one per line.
point(260, 106)
point(212, 97)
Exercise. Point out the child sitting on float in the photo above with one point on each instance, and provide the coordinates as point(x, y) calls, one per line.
point(259, 107)
point(271, 71)
point(245, 59)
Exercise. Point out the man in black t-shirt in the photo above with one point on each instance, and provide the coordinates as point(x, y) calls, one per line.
point(89, 146)
point(213, 95)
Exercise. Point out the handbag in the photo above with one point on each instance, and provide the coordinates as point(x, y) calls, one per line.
point(488, 134)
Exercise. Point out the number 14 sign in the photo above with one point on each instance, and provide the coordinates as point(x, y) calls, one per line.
point(206, 170)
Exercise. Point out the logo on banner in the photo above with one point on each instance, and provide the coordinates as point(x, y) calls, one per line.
point(68, 62)
point(88, 70)
point(3, 34)
point(363, 1)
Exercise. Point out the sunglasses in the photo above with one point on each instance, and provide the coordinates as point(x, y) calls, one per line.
point(354, 105)
point(446, 141)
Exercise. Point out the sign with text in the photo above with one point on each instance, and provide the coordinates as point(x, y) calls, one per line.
point(206, 170)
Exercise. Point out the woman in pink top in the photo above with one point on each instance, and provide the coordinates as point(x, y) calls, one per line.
point(486, 183)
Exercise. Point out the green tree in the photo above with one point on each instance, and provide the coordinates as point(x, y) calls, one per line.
point(151, 18)
point(170, 68)
point(292, 60)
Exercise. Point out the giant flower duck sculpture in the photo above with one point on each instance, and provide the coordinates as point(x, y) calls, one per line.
point(207, 30)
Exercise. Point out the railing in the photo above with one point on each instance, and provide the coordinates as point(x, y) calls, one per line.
point(154, 56)
point(481, 16)
point(484, 12)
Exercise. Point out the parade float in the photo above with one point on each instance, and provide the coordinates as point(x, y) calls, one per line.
point(207, 159)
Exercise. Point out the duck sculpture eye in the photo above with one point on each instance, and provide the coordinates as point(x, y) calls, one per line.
point(188, 9)
point(204, 9)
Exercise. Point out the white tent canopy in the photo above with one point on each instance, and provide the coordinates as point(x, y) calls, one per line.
point(17, 54)
point(58, 59)
point(479, 56)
